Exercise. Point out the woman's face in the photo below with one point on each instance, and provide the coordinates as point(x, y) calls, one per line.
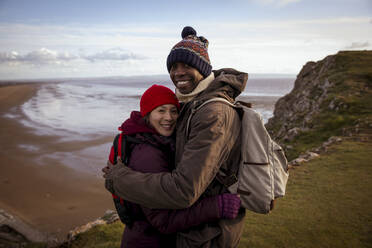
point(163, 119)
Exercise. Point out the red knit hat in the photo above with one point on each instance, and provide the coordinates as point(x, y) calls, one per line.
point(155, 96)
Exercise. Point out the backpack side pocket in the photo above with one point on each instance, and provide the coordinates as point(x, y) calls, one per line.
point(281, 174)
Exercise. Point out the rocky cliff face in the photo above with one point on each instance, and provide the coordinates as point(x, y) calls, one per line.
point(16, 233)
point(330, 97)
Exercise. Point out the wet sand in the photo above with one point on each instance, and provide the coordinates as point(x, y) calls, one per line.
point(41, 190)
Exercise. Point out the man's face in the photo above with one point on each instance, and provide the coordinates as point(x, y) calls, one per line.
point(185, 77)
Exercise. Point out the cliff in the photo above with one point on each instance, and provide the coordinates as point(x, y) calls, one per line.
point(331, 97)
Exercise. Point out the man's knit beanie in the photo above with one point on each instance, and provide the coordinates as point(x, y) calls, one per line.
point(191, 50)
point(156, 96)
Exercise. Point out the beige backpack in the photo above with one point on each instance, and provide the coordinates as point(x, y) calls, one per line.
point(263, 169)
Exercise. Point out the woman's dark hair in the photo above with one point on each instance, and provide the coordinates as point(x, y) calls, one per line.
point(146, 119)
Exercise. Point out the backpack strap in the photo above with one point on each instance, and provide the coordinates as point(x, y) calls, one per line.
point(116, 147)
point(227, 180)
point(122, 147)
point(215, 99)
point(237, 105)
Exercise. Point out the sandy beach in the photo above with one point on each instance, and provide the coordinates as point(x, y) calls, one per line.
point(45, 193)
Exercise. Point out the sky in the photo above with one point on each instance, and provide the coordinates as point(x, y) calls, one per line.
point(95, 38)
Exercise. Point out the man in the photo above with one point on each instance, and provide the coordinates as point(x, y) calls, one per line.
point(206, 144)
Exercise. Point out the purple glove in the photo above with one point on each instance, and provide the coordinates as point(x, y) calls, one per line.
point(228, 205)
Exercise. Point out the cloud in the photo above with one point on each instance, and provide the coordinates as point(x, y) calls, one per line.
point(358, 45)
point(114, 54)
point(45, 56)
point(41, 56)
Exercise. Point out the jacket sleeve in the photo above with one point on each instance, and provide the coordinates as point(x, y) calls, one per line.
point(210, 142)
point(146, 158)
point(171, 221)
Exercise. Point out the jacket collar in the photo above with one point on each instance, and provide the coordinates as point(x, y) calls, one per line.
point(136, 124)
point(228, 84)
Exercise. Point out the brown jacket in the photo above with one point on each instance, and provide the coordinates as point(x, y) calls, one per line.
point(213, 143)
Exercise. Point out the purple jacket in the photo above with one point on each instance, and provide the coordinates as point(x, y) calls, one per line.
point(157, 228)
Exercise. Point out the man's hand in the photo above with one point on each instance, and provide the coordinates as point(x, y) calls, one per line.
point(106, 170)
point(107, 174)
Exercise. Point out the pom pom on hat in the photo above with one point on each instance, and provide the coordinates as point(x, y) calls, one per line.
point(191, 50)
point(156, 96)
point(187, 31)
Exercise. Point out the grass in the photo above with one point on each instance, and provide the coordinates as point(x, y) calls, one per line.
point(102, 236)
point(328, 204)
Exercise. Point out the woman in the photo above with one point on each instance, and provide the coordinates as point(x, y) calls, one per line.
point(154, 126)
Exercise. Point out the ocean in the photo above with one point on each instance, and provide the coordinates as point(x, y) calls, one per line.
point(86, 107)
point(88, 112)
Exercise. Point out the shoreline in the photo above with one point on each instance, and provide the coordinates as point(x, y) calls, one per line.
point(47, 194)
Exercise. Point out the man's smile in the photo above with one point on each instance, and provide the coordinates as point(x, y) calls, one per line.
point(182, 83)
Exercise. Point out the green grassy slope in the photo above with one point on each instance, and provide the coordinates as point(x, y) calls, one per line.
point(328, 204)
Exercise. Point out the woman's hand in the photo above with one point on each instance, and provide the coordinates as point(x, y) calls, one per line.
point(229, 205)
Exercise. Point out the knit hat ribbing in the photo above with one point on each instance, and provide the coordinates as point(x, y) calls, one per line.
point(156, 96)
point(191, 50)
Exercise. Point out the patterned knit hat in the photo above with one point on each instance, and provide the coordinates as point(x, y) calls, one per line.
point(155, 96)
point(191, 50)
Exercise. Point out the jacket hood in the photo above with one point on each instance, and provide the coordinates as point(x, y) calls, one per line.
point(228, 83)
point(136, 124)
